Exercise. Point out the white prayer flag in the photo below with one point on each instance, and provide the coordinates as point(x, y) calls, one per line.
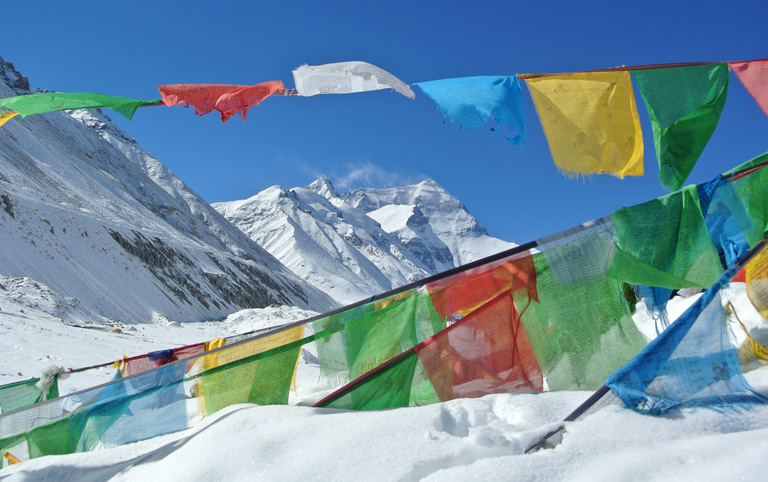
point(345, 78)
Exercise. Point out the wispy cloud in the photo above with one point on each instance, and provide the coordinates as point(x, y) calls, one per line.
point(368, 174)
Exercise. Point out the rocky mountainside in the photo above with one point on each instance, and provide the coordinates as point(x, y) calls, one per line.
point(364, 242)
point(103, 227)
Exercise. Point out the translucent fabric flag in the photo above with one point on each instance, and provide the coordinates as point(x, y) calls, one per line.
point(591, 122)
point(754, 75)
point(458, 295)
point(401, 382)
point(124, 411)
point(236, 374)
point(351, 344)
point(728, 222)
point(142, 363)
point(757, 282)
point(23, 394)
point(346, 78)
point(685, 105)
point(383, 334)
point(483, 353)
point(664, 243)
point(30, 104)
point(581, 328)
point(471, 102)
point(228, 100)
point(692, 363)
point(486, 352)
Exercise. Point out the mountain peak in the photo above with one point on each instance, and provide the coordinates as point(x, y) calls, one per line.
point(13, 78)
point(323, 187)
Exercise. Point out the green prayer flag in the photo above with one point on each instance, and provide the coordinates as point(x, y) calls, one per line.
point(581, 330)
point(20, 394)
point(53, 101)
point(684, 104)
point(264, 378)
point(665, 243)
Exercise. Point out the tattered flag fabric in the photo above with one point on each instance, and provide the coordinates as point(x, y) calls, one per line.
point(346, 78)
point(471, 102)
point(757, 282)
point(692, 363)
point(684, 104)
point(665, 243)
point(30, 104)
point(591, 122)
point(754, 75)
point(227, 99)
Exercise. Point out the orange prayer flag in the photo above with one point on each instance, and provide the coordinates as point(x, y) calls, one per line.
point(227, 99)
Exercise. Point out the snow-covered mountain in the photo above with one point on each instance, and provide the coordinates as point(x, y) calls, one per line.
point(364, 242)
point(106, 232)
point(466, 239)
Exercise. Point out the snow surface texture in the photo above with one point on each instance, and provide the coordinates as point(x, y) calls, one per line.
point(114, 235)
point(466, 439)
point(365, 242)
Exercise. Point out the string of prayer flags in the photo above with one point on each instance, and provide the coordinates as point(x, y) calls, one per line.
point(228, 100)
point(30, 104)
point(591, 122)
point(471, 101)
point(346, 78)
point(684, 104)
point(754, 75)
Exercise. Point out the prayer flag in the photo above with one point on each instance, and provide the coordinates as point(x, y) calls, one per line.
point(692, 363)
point(227, 99)
point(665, 243)
point(30, 104)
point(591, 122)
point(6, 117)
point(471, 101)
point(757, 282)
point(754, 75)
point(485, 352)
point(685, 105)
point(346, 78)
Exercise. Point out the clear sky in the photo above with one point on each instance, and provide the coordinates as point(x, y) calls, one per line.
point(381, 139)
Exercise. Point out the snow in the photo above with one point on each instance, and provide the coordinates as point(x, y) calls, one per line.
point(393, 217)
point(465, 439)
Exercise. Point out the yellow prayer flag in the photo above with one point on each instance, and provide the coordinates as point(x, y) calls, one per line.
point(756, 272)
point(212, 361)
point(6, 117)
point(249, 348)
point(591, 122)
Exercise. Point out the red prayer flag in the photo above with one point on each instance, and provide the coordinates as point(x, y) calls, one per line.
point(227, 99)
point(457, 295)
point(754, 75)
point(142, 363)
point(488, 351)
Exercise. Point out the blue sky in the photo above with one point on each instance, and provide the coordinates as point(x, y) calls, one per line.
point(381, 138)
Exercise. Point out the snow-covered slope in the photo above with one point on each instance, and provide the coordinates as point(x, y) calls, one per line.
point(353, 254)
point(100, 223)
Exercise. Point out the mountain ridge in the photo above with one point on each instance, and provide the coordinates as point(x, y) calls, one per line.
point(358, 244)
point(91, 215)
